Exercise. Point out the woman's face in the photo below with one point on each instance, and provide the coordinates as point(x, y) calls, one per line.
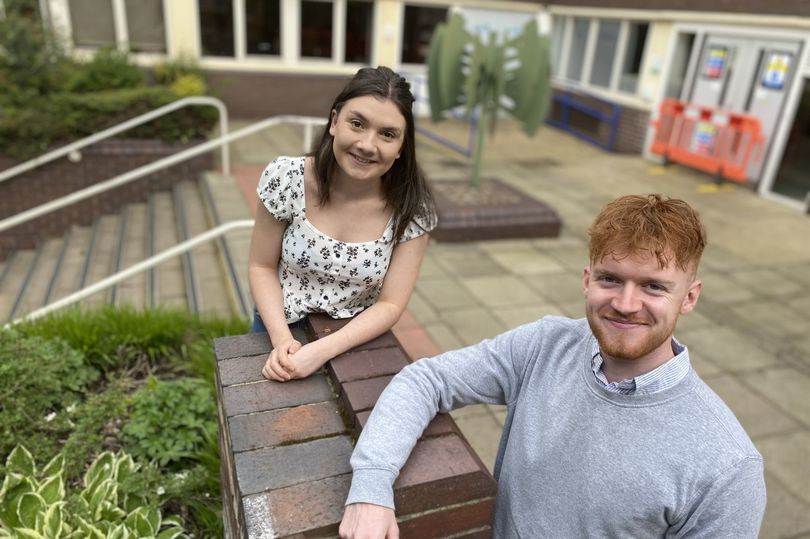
point(368, 135)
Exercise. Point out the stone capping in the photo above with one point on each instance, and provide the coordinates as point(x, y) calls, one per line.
point(285, 447)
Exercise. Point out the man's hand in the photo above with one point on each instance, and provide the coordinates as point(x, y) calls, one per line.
point(278, 363)
point(368, 521)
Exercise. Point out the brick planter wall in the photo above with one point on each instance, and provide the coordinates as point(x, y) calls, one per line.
point(99, 162)
point(285, 448)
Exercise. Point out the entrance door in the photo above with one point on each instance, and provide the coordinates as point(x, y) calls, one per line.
point(746, 76)
point(793, 177)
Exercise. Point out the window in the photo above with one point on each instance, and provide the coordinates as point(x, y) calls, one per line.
point(263, 27)
point(420, 22)
point(216, 27)
point(93, 23)
point(579, 40)
point(316, 29)
point(557, 34)
point(145, 25)
point(680, 63)
point(633, 54)
point(359, 20)
point(606, 42)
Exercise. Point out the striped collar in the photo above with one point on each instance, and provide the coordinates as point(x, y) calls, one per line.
point(662, 377)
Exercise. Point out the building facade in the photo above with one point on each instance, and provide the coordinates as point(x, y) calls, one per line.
point(614, 61)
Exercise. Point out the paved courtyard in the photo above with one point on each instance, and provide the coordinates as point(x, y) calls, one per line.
point(749, 337)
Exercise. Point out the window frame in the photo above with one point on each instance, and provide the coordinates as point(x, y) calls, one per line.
point(560, 77)
point(121, 31)
point(290, 15)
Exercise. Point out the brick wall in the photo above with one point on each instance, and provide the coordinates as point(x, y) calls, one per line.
point(285, 448)
point(633, 126)
point(99, 162)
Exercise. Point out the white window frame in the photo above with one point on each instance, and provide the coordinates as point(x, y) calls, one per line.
point(62, 9)
point(290, 15)
point(587, 60)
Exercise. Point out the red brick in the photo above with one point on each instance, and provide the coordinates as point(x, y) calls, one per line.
point(241, 370)
point(366, 364)
point(279, 467)
point(441, 425)
point(322, 325)
point(471, 516)
point(270, 395)
point(363, 394)
point(234, 346)
point(441, 471)
point(312, 509)
point(268, 429)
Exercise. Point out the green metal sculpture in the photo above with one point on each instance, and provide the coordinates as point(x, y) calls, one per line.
point(511, 74)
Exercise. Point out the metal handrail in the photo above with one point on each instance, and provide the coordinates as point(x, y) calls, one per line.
point(135, 269)
point(123, 126)
point(122, 179)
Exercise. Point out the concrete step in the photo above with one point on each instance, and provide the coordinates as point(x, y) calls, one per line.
point(226, 203)
point(132, 239)
point(203, 266)
point(103, 251)
point(168, 286)
point(34, 288)
point(16, 271)
point(67, 279)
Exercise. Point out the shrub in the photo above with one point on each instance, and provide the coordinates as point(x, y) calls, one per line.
point(59, 118)
point(36, 503)
point(168, 420)
point(170, 71)
point(40, 379)
point(109, 69)
point(112, 338)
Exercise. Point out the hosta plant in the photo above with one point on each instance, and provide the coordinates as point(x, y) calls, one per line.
point(34, 504)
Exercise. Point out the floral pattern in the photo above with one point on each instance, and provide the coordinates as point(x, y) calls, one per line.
point(317, 272)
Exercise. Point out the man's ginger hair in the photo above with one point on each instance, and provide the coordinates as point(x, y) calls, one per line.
point(667, 228)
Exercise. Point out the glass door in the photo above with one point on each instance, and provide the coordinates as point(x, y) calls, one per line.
point(793, 175)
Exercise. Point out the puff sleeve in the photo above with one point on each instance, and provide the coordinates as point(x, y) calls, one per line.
point(422, 223)
point(275, 189)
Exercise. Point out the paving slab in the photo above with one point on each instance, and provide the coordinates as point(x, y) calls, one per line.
point(727, 348)
point(512, 317)
point(501, 291)
point(773, 317)
point(785, 514)
point(474, 325)
point(786, 459)
point(787, 388)
point(445, 293)
point(758, 416)
point(483, 432)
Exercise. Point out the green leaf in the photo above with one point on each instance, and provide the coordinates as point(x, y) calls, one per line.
point(52, 525)
point(89, 531)
point(153, 516)
point(10, 482)
point(27, 533)
point(100, 469)
point(119, 532)
point(8, 509)
point(29, 506)
point(53, 489)
point(21, 461)
point(171, 533)
point(55, 466)
point(138, 522)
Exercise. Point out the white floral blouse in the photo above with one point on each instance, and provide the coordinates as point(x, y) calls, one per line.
point(319, 273)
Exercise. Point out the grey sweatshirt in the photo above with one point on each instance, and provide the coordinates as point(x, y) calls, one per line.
point(574, 459)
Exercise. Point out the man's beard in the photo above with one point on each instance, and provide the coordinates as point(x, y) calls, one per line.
point(621, 345)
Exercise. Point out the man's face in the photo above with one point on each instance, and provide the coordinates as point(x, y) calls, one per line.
point(632, 306)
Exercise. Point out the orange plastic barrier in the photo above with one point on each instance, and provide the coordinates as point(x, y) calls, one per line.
point(713, 140)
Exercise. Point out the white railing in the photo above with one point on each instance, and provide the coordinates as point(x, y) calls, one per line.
point(122, 179)
point(132, 122)
point(135, 269)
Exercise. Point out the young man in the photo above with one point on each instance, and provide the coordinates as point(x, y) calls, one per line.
point(609, 432)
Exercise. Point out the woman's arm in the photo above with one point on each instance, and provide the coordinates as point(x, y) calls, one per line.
point(373, 321)
point(265, 251)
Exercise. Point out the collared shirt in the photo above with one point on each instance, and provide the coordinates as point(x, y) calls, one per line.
point(661, 378)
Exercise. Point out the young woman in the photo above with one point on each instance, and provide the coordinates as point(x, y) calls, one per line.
point(343, 230)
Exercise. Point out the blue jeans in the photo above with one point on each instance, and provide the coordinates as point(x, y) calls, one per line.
point(258, 324)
